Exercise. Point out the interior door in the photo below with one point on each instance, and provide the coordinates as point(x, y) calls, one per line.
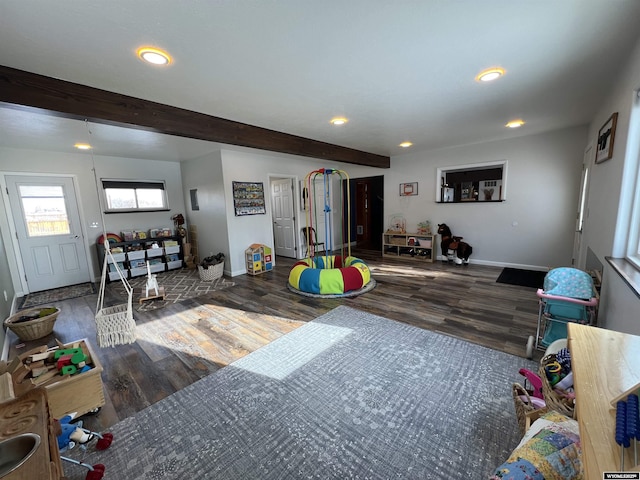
point(367, 211)
point(363, 214)
point(319, 214)
point(283, 217)
point(47, 220)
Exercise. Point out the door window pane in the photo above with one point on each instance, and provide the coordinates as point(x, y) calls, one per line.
point(44, 210)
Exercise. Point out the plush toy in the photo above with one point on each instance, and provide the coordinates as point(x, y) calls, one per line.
point(71, 434)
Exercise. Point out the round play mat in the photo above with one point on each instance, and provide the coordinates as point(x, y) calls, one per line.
point(329, 275)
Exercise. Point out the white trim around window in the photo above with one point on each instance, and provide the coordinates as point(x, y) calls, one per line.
point(121, 196)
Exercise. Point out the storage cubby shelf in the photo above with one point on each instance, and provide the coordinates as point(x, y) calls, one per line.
point(408, 245)
point(168, 255)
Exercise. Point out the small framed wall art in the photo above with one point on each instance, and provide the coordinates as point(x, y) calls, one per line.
point(248, 198)
point(408, 189)
point(606, 136)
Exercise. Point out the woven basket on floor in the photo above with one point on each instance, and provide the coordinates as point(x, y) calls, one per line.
point(522, 407)
point(554, 398)
point(212, 273)
point(32, 329)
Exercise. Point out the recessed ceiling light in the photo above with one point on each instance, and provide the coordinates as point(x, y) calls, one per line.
point(515, 123)
point(405, 144)
point(338, 121)
point(82, 146)
point(154, 55)
point(490, 74)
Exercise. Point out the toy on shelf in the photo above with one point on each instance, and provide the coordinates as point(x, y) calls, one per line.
point(424, 228)
point(178, 221)
point(397, 224)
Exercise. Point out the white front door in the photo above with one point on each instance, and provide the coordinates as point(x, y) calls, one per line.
point(283, 219)
point(47, 220)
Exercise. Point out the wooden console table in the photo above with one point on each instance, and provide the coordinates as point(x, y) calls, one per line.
point(606, 368)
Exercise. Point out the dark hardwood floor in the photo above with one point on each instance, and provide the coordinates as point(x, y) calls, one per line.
point(462, 301)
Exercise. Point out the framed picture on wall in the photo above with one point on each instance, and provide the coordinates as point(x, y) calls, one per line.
point(248, 198)
point(606, 136)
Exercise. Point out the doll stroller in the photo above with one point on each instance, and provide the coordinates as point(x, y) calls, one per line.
point(95, 472)
point(568, 295)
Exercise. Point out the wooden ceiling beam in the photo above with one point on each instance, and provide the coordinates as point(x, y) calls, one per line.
point(72, 100)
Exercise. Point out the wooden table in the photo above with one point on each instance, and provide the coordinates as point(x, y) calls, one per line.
point(606, 367)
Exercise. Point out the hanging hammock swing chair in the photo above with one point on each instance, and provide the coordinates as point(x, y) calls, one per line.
point(114, 325)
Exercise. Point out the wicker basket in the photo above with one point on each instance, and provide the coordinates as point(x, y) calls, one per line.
point(212, 273)
point(32, 329)
point(522, 407)
point(554, 398)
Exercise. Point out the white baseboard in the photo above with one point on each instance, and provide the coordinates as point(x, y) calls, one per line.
point(491, 263)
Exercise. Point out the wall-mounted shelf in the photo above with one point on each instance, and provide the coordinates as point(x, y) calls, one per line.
point(473, 201)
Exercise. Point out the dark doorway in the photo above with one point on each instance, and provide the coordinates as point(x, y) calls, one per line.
point(367, 211)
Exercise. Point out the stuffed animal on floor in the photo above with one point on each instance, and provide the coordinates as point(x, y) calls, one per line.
point(71, 433)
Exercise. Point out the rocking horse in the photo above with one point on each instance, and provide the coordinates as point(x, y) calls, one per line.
point(453, 247)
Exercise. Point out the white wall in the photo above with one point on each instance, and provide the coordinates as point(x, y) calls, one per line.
point(80, 166)
point(543, 186)
point(609, 198)
point(205, 175)
point(257, 166)
point(6, 289)
point(533, 228)
point(619, 305)
point(542, 190)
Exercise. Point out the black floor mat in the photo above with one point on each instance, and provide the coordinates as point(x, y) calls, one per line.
point(524, 278)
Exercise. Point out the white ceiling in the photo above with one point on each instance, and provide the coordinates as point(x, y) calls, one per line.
point(399, 70)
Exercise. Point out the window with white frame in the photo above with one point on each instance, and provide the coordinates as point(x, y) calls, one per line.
point(134, 195)
point(632, 171)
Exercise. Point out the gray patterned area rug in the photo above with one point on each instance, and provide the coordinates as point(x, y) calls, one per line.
point(347, 396)
point(57, 295)
point(179, 285)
